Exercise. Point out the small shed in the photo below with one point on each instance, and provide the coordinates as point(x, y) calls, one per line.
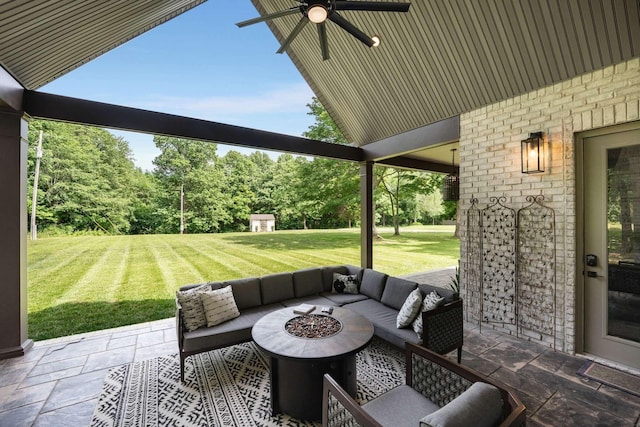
point(262, 222)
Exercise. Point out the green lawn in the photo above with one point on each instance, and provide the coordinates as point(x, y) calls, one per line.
point(87, 283)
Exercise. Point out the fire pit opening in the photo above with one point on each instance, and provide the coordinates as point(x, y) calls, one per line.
point(313, 326)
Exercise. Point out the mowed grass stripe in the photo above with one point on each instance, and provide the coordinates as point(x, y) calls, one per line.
point(236, 258)
point(212, 264)
point(47, 289)
point(175, 271)
point(143, 278)
point(97, 279)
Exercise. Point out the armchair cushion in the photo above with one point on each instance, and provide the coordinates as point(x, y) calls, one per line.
point(401, 406)
point(478, 406)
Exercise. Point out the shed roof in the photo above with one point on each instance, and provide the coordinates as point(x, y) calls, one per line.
point(259, 217)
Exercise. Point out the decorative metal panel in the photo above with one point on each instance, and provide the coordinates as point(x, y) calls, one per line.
point(473, 268)
point(499, 263)
point(536, 267)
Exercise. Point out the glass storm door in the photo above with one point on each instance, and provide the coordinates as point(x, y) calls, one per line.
point(612, 246)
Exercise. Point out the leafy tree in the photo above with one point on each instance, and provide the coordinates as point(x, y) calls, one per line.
point(85, 178)
point(333, 184)
point(190, 169)
point(239, 176)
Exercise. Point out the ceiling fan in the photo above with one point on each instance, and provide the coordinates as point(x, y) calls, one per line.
point(319, 11)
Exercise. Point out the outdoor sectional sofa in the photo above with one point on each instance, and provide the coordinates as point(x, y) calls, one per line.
point(379, 299)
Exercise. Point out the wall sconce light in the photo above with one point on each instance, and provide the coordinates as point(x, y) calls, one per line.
point(532, 151)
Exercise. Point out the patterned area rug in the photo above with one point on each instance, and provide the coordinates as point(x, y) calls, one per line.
point(227, 387)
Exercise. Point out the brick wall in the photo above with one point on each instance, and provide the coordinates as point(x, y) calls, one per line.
point(490, 167)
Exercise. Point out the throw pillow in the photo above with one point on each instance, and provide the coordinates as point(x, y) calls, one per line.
point(219, 306)
point(479, 406)
point(345, 283)
point(431, 300)
point(409, 309)
point(192, 311)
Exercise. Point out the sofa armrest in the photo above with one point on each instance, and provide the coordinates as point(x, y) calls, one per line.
point(442, 328)
point(339, 409)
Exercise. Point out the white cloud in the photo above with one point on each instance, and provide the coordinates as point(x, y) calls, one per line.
point(288, 99)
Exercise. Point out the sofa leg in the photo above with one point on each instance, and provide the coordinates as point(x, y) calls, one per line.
point(459, 354)
point(182, 368)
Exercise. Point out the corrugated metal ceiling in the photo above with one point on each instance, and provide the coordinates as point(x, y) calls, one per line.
point(41, 40)
point(443, 58)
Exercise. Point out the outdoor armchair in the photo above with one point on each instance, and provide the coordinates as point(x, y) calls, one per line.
point(435, 392)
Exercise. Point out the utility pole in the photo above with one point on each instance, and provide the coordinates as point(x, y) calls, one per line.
point(34, 201)
point(181, 208)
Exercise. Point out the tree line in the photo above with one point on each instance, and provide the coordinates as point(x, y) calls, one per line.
point(88, 182)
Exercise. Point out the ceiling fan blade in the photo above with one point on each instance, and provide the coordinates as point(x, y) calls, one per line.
point(351, 29)
point(285, 44)
point(291, 11)
point(324, 43)
point(376, 6)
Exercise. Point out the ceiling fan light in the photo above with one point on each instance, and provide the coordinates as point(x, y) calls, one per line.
point(317, 13)
point(376, 41)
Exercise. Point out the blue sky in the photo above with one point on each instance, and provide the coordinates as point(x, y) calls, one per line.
point(199, 65)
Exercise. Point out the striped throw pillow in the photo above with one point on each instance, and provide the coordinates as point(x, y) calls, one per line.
point(192, 310)
point(219, 305)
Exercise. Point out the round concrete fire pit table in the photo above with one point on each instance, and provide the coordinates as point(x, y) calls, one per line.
point(298, 363)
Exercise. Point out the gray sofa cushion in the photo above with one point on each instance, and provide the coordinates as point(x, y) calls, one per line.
point(446, 293)
point(228, 333)
point(317, 300)
point(327, 275)
point(384, 319)
point(276, 287)
point(479, 406)
point(343, 299)
point(401, 406)
point(246, 292)
point(396, 291)
point(372, 283)
point(307, 282)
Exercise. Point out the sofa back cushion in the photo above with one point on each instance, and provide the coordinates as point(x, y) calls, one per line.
point(307, 282)
point(446, 293)
point(396, 291)
point(246, 292)
point(372, 283)
point(276, 287)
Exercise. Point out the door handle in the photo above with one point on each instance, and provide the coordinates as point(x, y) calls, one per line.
point(594, 274)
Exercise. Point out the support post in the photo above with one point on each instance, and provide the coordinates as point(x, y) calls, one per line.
point(13, 229)
point(366, 215)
